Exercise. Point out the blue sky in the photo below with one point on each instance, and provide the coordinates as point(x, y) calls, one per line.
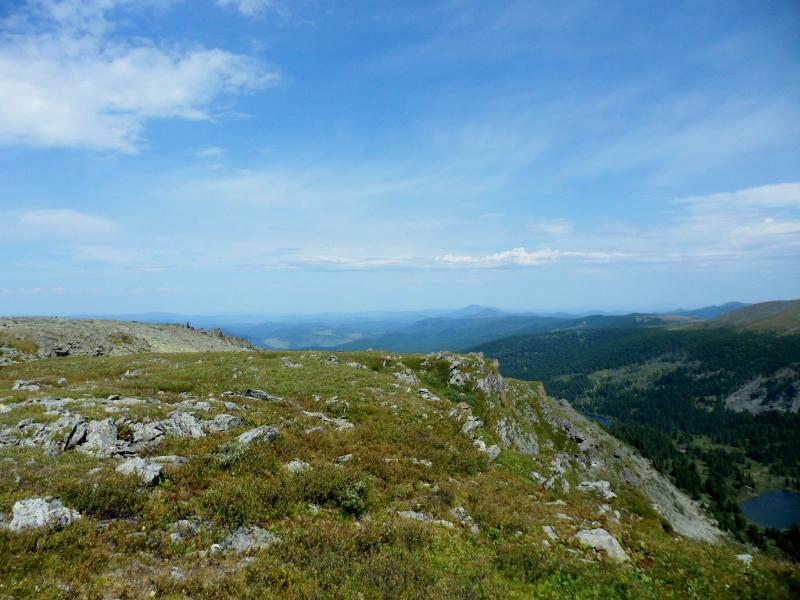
point(211, 156)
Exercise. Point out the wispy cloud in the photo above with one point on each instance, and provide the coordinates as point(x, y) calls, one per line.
point(551, 227)
point(520, 257)
point(67, 81)
point(48, 224)
point(210, 152)
point(256, 8)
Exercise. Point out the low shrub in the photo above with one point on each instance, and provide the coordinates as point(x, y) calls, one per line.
point(113, 497)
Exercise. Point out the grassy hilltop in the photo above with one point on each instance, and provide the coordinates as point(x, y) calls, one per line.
point(383, 481)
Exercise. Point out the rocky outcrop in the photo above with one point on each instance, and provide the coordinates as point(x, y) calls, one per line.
point(778, 392)
point(86, 337)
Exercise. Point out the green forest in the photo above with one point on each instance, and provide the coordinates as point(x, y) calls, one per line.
point(663, 391)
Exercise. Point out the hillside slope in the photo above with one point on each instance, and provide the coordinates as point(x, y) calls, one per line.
point(24, 338)
point(350, 476)
point(781, 316)
point(715, 408)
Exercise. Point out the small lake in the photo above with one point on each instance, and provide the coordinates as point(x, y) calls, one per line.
point(776, 508)
point(605, 421)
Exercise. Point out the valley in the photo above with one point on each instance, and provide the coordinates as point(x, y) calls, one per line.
point(713, 405)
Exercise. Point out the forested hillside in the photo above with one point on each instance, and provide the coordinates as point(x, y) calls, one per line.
point(672, 394)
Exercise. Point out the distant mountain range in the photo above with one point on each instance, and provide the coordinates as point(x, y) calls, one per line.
point(413, 331)
point(782, 316)
point(709, 312)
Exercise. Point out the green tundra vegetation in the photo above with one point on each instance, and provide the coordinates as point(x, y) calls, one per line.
point(663, 390)
point(339, 530)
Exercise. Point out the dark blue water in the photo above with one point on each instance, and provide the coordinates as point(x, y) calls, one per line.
point(605, 421)
point(777, 508)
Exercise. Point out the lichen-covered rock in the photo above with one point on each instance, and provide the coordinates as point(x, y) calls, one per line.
point(265, 433)
point(406, 376)
point(462, 516)
point(422, 517)
point(41, 512)
point(297, 466)
point(603, 488)
point(600, 539)
point(492, 451)
point(245, 539)
point(261, 395)
point(223, 422)
point(184, 424)
point(100, 438)
point(470, 425)
point(339, 423)
point(514, 436)
point(426, 394)
point(26, 386)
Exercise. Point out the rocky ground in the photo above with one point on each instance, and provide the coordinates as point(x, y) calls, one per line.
point(26, 338)
point(310, 475)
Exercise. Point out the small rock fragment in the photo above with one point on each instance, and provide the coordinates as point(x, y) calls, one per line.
point(549, 532)
point(746, 559)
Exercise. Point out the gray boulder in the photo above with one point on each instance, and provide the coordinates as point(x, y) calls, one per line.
point(462, 516)
point(471, 424)
point(428, 395)
point(223, 423)
point(265, 433)
point(20, 385)
point(184, 424)
point(600, 539)
point(148, 472)
point(100, 438)
point(40, 512)
point(422, 517)
point(407, 376)
point(261, 395)
point(603, 488)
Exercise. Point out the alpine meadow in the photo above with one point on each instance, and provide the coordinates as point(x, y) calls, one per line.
point(416, 300)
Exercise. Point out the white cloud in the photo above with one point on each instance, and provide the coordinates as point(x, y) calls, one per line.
point(67, 81)
point(520, 257)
